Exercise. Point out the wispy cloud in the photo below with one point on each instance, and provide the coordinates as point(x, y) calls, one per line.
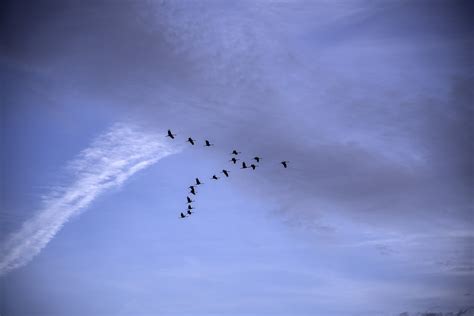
point(110, 160)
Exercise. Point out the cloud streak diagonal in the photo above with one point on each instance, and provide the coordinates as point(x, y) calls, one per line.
point(111, 159)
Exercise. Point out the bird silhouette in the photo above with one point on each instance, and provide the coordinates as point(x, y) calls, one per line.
point(191, 141)
point(182, 215)
point(226, 172)
point(208, 144)
point(234, 160)
point(193, 192)
point(190, 207)
point(189, 212)
point(285, 164)
point(253, 166)
point(189, 200)
point(198, 182)
point(215, 177)
point(257, 158)
point(244, 165)
point(171, 135)
point(235, 152)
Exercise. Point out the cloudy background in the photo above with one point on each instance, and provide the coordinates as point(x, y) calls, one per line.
point(370, 101)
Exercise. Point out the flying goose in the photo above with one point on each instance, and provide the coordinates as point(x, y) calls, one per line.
point(171, 135)
point(190, 140)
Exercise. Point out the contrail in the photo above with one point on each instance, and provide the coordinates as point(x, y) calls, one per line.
point(110, 160)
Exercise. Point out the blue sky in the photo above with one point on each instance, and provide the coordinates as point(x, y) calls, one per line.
point(371, 102)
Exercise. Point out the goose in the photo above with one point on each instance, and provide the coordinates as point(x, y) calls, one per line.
point(208, 144)
point(171, 135)
point(257, 158)
point(182, 215)
point(244, 165)
point(190, 140)
point(189, 200)
point(215, 177)
point(235, 152)
point(253, 166)
point(234, 160)
point(285, 164)
point(226, 172)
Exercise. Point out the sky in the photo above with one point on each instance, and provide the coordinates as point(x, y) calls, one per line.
point(370, 101)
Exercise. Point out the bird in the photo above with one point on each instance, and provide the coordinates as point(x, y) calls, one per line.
point(253, 166)
point(234, 160)
point(244, 165)
point(182, 215)
point(189, 212)
point(215, 177)
point(198, 182)
point(189, 200)
point(190, 140)
point(192, 190)
point(285, 164)
point(171, 135)
point(208, 144)
point(225, 172)
point(190, 207)
point(235, 152)
point(257, 158)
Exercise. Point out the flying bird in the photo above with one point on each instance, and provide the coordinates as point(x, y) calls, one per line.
point(253, 166)
point(190, 207)
point(171, 135)
point(215, 177)
point(198, 182)
point(182, 215)
point(257, 158)
point(244, 165)
point(234, 160)
point(189, 212)
point(226, 172)
point(191, 141)
point(235, 152)
point(208, 144)
point(192, 190)
point(285, 164)
point(189, 200)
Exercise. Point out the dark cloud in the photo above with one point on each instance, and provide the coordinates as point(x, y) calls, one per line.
point(394, 151)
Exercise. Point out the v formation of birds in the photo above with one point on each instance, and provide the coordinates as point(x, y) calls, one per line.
point(226, 173)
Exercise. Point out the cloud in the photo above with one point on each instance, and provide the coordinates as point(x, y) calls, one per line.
point(110, 160)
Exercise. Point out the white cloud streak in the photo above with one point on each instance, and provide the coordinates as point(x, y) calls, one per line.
point(110, 160)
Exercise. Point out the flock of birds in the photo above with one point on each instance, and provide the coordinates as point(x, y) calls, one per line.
point(234, 153)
